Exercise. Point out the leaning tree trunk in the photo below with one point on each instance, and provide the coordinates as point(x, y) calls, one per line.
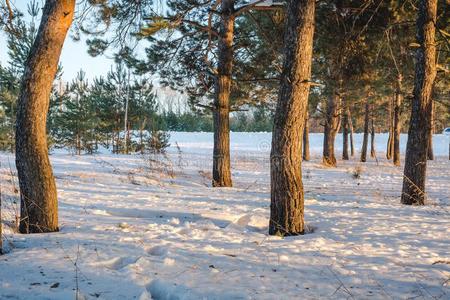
point(345, 127)
point(430, 154)
point(39, 206)
point(332, 124)
point(287, 202)
point(221, 114)
point(366, 133)
point(397, 125)
point(390, 142)
point(306, 154)
point(419, 128)
point(373, 153)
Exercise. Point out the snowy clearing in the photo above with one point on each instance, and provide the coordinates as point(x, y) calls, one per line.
point(136, 227)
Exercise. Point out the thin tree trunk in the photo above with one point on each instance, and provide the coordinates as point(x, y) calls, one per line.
point(287, 200)
point(430, 154)
point(128, 139)
point(306, 153)
point(113, 141)
point(221, 115)
point(366, 133)
point(118, 138)
point(397, 125)
point(39, 206)
point(332, 125)
point(345, 131)
point(373, 152)
point(125, 122)
point(350, 125)
point(419, 129)
point(141, 141)
point(390, 143)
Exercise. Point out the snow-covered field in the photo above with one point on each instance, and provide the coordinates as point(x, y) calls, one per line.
point(136, 227)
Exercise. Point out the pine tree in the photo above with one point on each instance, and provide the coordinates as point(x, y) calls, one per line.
point(287, 202)
point(37, 184)
point(425, 73)
point(77, 121)
point(20, 37)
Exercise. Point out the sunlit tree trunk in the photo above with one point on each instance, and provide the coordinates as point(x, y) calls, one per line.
point(332, 124)
point(366, 133)
point(221, 114)
point(287, 202)
point(419, 129)
point(390, 142)
point(397, 125)
point(39, 206)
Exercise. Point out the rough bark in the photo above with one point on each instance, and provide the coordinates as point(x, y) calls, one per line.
point(287, 199)
point(419, 129)
point(345, 131)
point(397, 125)
point(390, 143)
point(39, 207)
point(306, 153)
point(332, 124)
point(430, 153)
point(221, 114)
point(366, 133)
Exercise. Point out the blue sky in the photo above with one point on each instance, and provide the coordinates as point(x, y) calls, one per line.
point(73, 57)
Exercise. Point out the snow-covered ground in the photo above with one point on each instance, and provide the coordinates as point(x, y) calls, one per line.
point(136, 227)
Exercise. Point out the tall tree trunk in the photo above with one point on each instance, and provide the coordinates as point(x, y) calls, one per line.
point(373, 153)
point(128, 139)
point(366, 133)
point(390, 142)
point(332, 125)
point(221, 115)
point(126, 133)
point(306, 154)
point(118, 136)
point(345, 129)
point(430, 154)
point(419, 128)
point(39, 206)
point(397, 125)
point(287, 200)
point(350, 125)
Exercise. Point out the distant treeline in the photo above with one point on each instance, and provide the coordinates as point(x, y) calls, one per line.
point(256, 120)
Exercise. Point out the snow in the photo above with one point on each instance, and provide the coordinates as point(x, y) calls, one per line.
point(131, 229)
